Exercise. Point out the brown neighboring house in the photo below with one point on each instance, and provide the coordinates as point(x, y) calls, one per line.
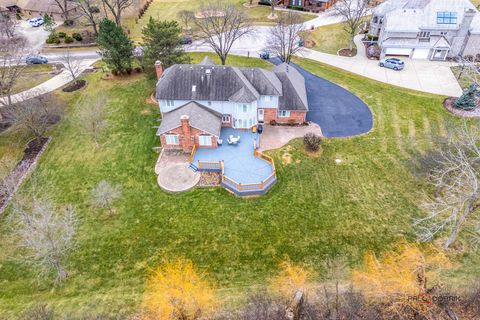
point(35, 8)
point(307, 5)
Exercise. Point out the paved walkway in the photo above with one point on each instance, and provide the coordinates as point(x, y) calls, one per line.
point(50, 85)
point(274, 137)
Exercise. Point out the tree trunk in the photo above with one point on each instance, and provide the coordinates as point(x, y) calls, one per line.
point(223, 59)
point(61, 272)
point(351, 43)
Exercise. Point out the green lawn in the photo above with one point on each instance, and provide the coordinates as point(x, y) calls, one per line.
point(32, 76)
point(329, 39)
point(318, 209)
point(464, 81)
point(168, 9)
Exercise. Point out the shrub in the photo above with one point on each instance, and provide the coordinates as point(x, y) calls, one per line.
point(53, 39)
point(62, 34)
point(68, 22)
point(468, 100)
point(312, 141)
point(372, 37)
point(68, 39)
point(77, 36)
point(292, 122)
point(273, 122)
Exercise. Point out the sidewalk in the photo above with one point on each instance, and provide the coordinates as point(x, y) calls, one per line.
point(50, 85)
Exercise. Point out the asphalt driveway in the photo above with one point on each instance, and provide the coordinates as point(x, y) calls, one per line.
point(338, 112)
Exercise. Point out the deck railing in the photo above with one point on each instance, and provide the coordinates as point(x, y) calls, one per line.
point(192, 155)
point(209, 165)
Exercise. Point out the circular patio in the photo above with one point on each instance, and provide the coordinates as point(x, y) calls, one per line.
point(177, 177)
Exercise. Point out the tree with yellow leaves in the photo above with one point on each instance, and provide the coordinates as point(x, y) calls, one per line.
point(399, 278)
point(291, 278)
point(176, 291)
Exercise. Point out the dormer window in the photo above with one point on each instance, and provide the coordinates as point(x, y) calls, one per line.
point(424, 35)
point(445, 17)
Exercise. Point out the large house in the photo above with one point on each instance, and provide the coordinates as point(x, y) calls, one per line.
point(427, 29)
point(34, 8)
point(306, 5)
point(197, 101)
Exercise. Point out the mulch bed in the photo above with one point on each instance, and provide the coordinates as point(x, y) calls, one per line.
point(449, 104)
point(9, 185)
point(75, 86)
point(345, 52)
point(210, 179)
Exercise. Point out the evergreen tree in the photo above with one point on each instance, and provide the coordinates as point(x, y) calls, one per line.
point(162, 41)
point(468, 100)
point(48, 23)
point(115, 46)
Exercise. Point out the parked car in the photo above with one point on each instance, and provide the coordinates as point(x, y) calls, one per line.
point(36, 60)
point(36, 22)
point(392, 63)
point(265, 55)
point(186, 40)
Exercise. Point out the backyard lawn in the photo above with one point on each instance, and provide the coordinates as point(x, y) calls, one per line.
point(168, 9)
point(318, 210)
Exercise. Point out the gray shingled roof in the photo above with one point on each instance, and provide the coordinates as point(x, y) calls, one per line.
point(294, 92)
point(264, 81)
point(222, 83)
point(201, 117)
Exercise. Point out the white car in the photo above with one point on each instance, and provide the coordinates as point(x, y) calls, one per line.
point(36, 22)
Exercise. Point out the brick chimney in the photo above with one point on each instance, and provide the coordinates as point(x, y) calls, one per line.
point(158, 68)
point(187, 138)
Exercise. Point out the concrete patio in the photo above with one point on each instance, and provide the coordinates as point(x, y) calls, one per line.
point(240, 163)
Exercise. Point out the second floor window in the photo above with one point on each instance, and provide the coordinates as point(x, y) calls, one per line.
point(169, 103)
point(425, 35)
point(446, 17)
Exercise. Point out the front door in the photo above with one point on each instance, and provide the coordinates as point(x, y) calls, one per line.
point(260, 115)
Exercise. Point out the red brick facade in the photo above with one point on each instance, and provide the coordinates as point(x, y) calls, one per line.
point(187, 138)
point(270, 114)
point(307, 5)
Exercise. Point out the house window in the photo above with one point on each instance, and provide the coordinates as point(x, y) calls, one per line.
point(283, 113)
point(244, 108)
point(226, 118)
point(267, 98)
point(424, 35)
point(169, 103)
point(204, 140)
point(446, 17)
point(171, 139)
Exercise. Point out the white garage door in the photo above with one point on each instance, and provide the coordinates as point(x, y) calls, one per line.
point(421, 53)
point(398, 52)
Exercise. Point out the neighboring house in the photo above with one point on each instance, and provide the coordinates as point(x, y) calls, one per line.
point(196, 101)
point(427, 29)
point(34, 8)
point(307, 5)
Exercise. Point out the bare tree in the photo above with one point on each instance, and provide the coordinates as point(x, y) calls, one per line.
point(352, 12)
point(34, 116)
point(470, 69)
point(12, 54)
point(65, 6)
point(72, 65)
point(93, 118)
point(454, 172)
point(285, 35)
point(220, 24)
point(7, 24)
point(91, 11)
point(185, 17)
point(45, 233)
point(104, 194)
point(116, 8)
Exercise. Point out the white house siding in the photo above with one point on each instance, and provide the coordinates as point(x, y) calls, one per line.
point(268, 104)
point(473, 45)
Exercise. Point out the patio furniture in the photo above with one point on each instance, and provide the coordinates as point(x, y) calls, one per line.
point(219, 142)
point(233, 140)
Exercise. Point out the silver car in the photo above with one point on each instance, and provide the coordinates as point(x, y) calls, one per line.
point(392, 63)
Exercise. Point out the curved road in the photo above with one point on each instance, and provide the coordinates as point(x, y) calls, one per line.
point(339, 112)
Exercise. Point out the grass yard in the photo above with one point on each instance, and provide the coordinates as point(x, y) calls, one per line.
point(318, 209)
point(329, 39)
point(168, 9)
point(32, 76)
point(464, 81)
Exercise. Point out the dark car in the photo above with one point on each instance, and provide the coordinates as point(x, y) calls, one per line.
point(265, 55)
point(186, 40)
point(36, 60)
